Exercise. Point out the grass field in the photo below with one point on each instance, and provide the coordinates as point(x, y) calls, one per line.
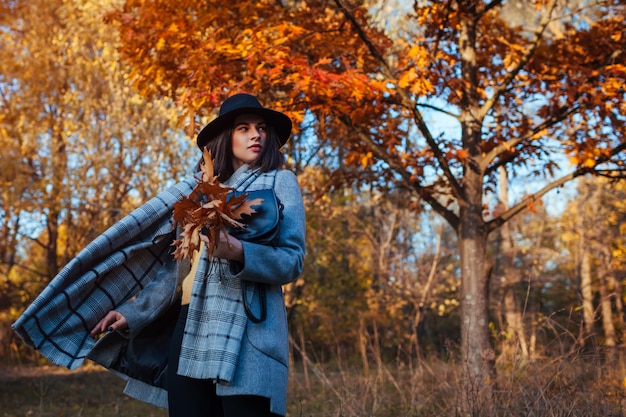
point(57, 392)
point(547, 389)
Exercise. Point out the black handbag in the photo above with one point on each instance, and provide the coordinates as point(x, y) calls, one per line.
point(263, 226)
point(144, 356)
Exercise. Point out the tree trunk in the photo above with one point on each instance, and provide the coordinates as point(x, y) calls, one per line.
point(606, 297)
point(477, 354)
point(58, 170)
point(514, 323)
point(586, 294)
point(363, 348)
point(607, 313)
point(616, 298)
point(52, 251)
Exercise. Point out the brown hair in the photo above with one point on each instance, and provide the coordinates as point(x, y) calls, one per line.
point(221, 148)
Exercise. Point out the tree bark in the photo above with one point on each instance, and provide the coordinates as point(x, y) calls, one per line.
point(58, 170)
point(606, 305)
point(586, 294)
point(512, 312)
point(477, 354)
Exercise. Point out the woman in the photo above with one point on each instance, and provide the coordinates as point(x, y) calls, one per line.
point(228, 354)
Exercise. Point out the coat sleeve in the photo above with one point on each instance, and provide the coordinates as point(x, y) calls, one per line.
point(282, 263)
point(155, 298)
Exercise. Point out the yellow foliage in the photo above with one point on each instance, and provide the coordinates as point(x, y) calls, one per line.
point(367, 160)
point(160, 44)
point(407, 78)
point(415, 52)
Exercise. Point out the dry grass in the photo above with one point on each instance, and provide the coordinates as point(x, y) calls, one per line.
point(548, 388)
point(57, 392)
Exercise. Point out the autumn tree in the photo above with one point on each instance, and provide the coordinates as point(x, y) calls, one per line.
point(79, 147)
point(433, 107)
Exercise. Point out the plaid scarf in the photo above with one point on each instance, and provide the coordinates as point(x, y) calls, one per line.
point(118, 264)
point(106, 273)
point(217, 320)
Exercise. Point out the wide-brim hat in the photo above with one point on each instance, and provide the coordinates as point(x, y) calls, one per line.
point(239, 104)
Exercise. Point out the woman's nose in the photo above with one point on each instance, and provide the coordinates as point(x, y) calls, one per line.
point(256, 134)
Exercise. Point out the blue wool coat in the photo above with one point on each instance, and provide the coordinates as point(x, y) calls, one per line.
point(69, 314)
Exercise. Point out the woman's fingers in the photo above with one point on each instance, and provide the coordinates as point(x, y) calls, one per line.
point(111, 322)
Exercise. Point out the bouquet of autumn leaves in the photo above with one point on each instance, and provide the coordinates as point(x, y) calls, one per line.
point(210, 209)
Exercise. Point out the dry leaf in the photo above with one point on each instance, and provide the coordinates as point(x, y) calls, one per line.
point(210, 208)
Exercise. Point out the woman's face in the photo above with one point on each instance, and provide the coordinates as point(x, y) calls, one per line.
point(248, 139)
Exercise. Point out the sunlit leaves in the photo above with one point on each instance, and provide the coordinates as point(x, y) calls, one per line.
point(81, 147)
point(309, 58)
point(296, 59)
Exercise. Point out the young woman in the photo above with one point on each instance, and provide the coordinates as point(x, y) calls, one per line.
point(228, 354)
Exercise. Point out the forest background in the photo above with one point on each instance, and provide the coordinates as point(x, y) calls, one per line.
point(461, 164)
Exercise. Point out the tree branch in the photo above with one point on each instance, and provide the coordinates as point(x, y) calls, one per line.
point(407, 102)
point(438, 109)
point(362, 35)
point(503, 86)
point(380, 153)
point(25, 268)
point(613, 174)
point(523, 204)
point(559, 116)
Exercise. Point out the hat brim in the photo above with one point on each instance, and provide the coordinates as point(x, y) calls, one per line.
point(280, 121)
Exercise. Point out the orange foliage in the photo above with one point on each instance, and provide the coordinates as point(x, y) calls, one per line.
point(307, 56)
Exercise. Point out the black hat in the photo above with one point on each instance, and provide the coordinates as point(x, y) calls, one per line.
point(238, 104)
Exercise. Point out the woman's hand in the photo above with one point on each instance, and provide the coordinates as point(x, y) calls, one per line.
point(112, 321)
point(227, 247)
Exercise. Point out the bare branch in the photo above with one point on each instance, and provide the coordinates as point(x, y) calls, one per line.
point(523, 204)
point(380, 153)
point(359, 30)
point(426, 290)
point(557, 117)
point(443, 162)
point(614, 174)
point(26, 268)
point(438, 109)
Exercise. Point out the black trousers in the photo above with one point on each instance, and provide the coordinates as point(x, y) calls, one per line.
point(190, 397)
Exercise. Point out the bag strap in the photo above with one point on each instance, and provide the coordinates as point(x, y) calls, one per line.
point(262, 296)
point(260, 287)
